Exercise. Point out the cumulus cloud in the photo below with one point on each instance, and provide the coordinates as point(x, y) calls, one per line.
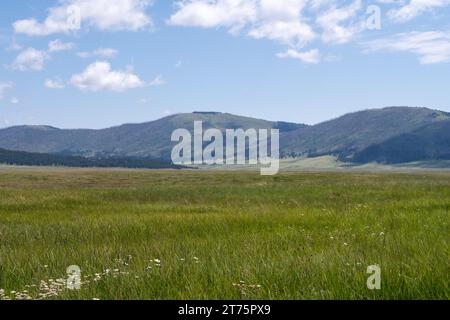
point(282, 21)
point(54, 84)
point(34, 60)
point(234, 14)
point(14, 100)
point(100, 52)
point(414, 8)
point(69, 15)
point(293, 33)
point(431, 47)
point(311, 56)
point(31, 59)
point(272, 19)
point(5, 86)
point(294, 23)
point(99, 76)
point(331, 21)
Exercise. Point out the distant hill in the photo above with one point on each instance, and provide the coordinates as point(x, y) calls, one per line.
point(151, 139)
point(431, 142)
point(21, 158)
point(389, 135)
point(354, 132)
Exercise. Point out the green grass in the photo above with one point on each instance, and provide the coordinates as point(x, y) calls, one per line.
point(297, 236)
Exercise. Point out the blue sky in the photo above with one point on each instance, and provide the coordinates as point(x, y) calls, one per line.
point(293, 60)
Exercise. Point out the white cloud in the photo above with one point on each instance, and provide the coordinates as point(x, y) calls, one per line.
point(272, 19)
point(311, 56)
point(292, 33)
point(100, 14)
point(5, 86)
point(14, 100)
point(431, 47)
point(297, 23)
point(158, 81)
point(99, 76)
point(415, 8)
point(294, 23)
point(100, 52)
point(54, 84)
point(331, 23)
point(31, 59)
point(234, 14)
point(58, 45)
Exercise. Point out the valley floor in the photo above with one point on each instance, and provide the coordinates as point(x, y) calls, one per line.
point(139, 234)
point(331, 163)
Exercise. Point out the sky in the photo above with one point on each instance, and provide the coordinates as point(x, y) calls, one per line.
point(101, 63)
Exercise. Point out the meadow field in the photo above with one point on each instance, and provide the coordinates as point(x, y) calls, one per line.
point(140, 234)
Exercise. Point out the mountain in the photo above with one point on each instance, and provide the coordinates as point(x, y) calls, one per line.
point(355, 132)
point(431, 142)
point(151, 139)
point(21, 158)
point(386, 135)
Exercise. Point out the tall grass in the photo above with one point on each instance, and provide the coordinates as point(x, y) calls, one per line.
point(224, 235)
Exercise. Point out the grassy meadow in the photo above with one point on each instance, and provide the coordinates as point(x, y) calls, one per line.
point(223, 235)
